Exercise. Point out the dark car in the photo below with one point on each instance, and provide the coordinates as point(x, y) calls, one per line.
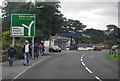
point(97, 48)
point(54, 49)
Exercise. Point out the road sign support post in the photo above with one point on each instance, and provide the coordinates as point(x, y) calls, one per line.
point(32, 47)
point(23, 25)
point(13, 42)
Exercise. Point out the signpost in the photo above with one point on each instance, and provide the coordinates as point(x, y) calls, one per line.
point(23, 25)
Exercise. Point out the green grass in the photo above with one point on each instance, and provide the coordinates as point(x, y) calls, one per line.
point(111, 56)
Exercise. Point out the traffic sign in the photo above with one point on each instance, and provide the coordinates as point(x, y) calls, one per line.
point(23, 25)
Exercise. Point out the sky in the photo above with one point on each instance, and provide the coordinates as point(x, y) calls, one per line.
point(95, 14)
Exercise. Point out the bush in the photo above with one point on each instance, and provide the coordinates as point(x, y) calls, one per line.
point(19, 54)
point(6, 40)
point(4, 56)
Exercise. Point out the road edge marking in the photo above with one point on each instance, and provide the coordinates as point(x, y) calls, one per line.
point(29, 68)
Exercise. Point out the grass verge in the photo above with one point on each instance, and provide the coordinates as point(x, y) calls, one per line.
point(111, 56)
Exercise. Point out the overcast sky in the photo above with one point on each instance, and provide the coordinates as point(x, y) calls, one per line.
point(95, 15)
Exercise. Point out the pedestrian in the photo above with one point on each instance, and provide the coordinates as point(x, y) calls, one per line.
point(11, 55)
point(40, 50)
point(114, 47)
point(36, 47)
point(43, 48)
point(27, 52)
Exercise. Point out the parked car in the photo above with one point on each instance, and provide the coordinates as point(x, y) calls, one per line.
point(54, 49)
point(86, 48)
point(90, 48)
point(82, 48)
point(67, 48)
point(97, 48)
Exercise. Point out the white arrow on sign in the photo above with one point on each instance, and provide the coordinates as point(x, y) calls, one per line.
point(29, 27)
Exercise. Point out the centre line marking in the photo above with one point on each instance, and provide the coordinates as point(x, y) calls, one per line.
point(83, 64)
point(82, 60)
point(98, 78)
point(88, 68)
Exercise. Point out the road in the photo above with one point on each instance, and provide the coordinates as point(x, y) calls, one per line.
point(75, 65)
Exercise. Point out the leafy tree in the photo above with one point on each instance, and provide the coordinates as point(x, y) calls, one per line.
point(11, 8)
point(73, 26)
point(48, 19)
point(97, 36)
point(5, 38)
point(115, 32)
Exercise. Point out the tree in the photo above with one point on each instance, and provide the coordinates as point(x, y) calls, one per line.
point(12, 7)
point(48, 19)
point(97, 36)
point(114, 32)
point(72, 26)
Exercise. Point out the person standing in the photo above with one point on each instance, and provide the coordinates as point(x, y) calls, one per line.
point(11, 55)
point(40, 50)
point(36, 47)
point(43, 48)
point(27, 52)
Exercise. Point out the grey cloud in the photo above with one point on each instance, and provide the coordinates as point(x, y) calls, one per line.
point(109, 11)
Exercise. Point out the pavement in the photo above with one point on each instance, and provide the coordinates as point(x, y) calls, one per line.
point(66, 65)
point(12, 72)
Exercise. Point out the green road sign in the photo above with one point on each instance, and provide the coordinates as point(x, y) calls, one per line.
point(23, 25)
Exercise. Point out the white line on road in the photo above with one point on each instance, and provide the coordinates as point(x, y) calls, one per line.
point(82, 56)
point(83, 63)
point(98, 78)
point(81, 60)
point(28, 69)
point(88, 68)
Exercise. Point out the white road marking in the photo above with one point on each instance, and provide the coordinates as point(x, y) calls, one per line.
point(98, 78)
point(82, 60)
point(83, 64)
point(28, 69)
point(81, 56)
point(88, 68)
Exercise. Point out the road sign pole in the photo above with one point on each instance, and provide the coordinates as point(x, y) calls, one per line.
point(13, 42)
point(32, 47)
